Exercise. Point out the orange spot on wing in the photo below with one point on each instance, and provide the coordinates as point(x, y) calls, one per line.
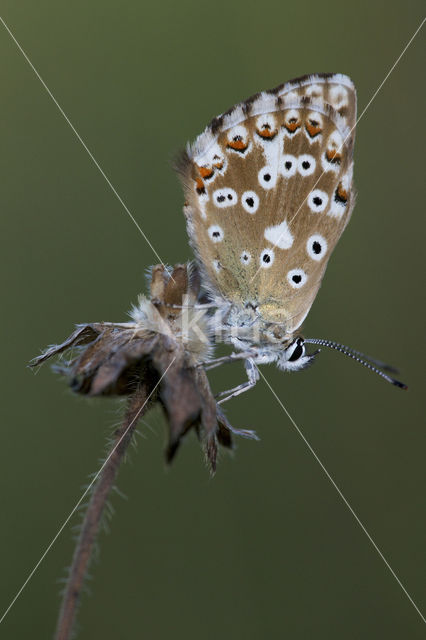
point(218, 165)
point(333, 156)
point(205, 172)
point(292, 125)
point(237, 145)
point(342, 194)
point(199, 186)
point(313, 129)
point(266, 134)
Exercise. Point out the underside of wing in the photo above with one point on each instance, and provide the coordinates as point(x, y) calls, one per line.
point(268, 188)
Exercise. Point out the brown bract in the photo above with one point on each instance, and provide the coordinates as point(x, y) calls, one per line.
point(110, 359)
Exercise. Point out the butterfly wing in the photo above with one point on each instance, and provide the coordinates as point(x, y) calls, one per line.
point(268, 189)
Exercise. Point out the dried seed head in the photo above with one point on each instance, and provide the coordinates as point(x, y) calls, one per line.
point(165, 341)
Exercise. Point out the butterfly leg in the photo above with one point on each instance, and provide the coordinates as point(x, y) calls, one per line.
point(253, 377)
point(217, 362)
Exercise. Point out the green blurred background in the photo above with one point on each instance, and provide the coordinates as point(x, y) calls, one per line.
point(267, 549)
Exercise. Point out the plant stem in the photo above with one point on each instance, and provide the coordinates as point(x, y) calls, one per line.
point(137, 405)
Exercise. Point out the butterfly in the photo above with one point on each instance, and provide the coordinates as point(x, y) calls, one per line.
point(268, 192)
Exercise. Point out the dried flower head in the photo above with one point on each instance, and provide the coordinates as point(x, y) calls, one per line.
point(163, 348)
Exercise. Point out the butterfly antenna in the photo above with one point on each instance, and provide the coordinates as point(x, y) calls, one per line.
point(363, 356)
point(370, 363)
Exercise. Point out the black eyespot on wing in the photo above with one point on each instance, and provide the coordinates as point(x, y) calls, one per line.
point(288, 165)
point(250, 201)
point(297, 279)
point(266, 177)
point(306, 164)
point(316, 247)
point(220, 198)
point(267, 258)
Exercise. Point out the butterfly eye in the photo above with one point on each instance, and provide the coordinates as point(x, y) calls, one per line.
point(250, 201)
point(316, 247)
point(245, 257)
point(296, 350)
point(225, 198)
point(297, 278)
point(306, 165)
point(267, 258)
point(288, 165)
point(267, 177)
point(317, 200)
point(216, 233)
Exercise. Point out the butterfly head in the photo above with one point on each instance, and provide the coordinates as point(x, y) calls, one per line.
point(294, 357)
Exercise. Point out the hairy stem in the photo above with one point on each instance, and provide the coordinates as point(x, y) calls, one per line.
point(82, 554)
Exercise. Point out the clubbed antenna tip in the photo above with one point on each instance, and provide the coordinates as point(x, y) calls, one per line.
point(366, 361)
